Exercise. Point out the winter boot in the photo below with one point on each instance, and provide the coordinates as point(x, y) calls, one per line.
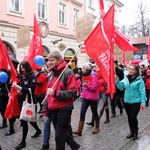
point(107, 115)
point(80, 128)
point(135, 136)
point(130, 135)
point(96, 129)
point(45, 147)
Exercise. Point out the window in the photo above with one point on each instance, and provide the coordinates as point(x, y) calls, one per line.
point(62, 14)
point(15, 6)
point(75, 16)
point(42, 9)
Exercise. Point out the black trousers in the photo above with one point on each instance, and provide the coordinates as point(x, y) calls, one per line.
point(132, 111)
point(63, 131)
point(116, 101)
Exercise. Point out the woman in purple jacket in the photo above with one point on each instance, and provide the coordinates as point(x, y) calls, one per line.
point(90, 97)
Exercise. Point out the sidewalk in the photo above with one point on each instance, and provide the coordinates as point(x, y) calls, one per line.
point(111, 137)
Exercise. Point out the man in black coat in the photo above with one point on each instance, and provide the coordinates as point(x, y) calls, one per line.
point(118, 94)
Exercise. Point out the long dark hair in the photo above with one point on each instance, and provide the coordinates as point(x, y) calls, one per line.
point(27, 67)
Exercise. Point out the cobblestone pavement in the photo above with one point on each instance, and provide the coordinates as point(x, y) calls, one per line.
point(111, 136)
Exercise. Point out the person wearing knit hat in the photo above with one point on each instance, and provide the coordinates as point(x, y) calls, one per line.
point(87, 66)
point(148, 71)
point(89, 98)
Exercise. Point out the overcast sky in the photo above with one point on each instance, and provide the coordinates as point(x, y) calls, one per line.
point(127, 12)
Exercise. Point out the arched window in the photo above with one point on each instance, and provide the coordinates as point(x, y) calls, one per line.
point(68, 56)
point(9, 48)
point(46, 51)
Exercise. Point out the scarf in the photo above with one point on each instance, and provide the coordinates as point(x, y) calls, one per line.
point(131, 78)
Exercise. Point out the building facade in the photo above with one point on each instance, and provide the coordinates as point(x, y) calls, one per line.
point(59, 15)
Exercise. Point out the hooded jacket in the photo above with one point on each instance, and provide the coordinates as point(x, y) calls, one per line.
point(65, 89)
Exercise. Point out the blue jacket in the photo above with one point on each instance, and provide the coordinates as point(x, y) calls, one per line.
point(134, 91)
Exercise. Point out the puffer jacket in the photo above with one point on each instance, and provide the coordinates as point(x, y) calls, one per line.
point(65, 89)
point(90, 90)
point(134, 91)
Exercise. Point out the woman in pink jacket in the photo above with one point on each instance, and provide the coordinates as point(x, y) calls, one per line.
point(90, 97)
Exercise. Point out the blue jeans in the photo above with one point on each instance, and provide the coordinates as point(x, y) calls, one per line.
point(84, 107)
point(47, 130)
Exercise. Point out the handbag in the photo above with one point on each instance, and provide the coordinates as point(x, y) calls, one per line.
point(28, 110)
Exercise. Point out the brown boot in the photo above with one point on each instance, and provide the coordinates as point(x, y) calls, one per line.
point(80, 128)
point(96, 129)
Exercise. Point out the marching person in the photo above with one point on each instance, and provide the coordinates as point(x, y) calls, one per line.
point(27, 80)
point(89, 98)
point(41, 86)
point(116, 100)
point(60, 100)
point(4, 91)
point(134, 98)
point(13, 119)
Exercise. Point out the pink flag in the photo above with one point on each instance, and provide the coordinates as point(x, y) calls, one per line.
point(100, 48)
point(35, 46)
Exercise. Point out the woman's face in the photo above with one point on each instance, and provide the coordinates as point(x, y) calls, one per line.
point(84, 70)
point(132, 70)
point(97, 68)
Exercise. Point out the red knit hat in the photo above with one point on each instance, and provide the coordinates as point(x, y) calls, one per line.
point(148, 71)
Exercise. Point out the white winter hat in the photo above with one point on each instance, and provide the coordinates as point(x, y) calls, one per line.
point(87, 66)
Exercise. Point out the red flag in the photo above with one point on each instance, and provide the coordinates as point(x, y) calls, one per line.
point(123, 42)
point(101, 6)
point(12, 109)
point(99, 45)
point(148, 51)
point(35, 46)
point(5, 61)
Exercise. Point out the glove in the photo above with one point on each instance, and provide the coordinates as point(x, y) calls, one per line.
point(142, 107)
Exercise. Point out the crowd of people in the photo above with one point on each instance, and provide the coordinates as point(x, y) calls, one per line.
point(56, 88)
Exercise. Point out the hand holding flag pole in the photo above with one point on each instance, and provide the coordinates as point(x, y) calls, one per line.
point(62, 73)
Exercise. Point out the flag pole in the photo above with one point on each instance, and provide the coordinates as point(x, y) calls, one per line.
point(62, 72)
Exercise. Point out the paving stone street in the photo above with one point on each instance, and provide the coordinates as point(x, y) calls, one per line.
point(112, 136)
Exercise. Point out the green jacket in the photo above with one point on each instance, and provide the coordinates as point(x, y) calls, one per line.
point(134, 91)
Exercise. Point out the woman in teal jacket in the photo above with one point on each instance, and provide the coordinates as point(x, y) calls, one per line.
point(134, 98)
